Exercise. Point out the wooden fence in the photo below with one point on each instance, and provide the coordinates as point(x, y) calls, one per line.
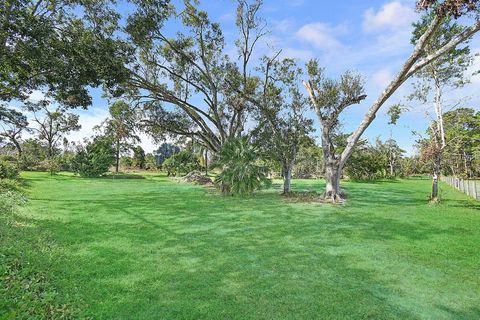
point(469, 187)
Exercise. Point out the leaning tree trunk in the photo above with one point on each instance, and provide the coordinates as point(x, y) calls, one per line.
point(287, 169)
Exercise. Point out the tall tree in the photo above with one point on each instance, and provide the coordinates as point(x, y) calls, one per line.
point(52, 123)
point(181, 81)
point(446, 71)
point(121, 126)
point(440, 10)
point(283, 125)
point(330, 98)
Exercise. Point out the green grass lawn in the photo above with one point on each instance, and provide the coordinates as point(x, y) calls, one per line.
point(156, 249)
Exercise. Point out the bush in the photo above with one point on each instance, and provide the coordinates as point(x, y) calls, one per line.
point(10, 200)
point(95, 159)
point(181, 163)
point(243, 171)
point(51, 165)
point(9, 185)
point(8, 170)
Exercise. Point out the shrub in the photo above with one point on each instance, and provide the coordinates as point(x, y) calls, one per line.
point(243, 171)
point(9, 185)
point(95, 159)
point(8, 170)
point(10, 200)
point(181, 163)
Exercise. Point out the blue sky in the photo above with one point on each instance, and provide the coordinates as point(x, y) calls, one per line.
point(371, 37)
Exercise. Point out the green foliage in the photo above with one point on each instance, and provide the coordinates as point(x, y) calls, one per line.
point(242, 169)
point(138, 157)
point(10, 185)
point(378, 161)
point(95, 159)
point(61, 47)
point(165, 151)
point(309, 162)
point(10, 201)
point(52, 165)
point(394, 112)
point(126, 162)
point(8, 170)
point(34, 152)
point(150, 162)
point(182, 162)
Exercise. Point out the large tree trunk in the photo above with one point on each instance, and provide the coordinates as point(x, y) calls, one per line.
point(333, 171)
point(287, 169)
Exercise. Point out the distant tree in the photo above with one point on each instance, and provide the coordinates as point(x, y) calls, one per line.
point(150, 162)
point(95, 158)
point(13, 123)
point(165, 151)
point(462, 135)
point(126, 162)
point(181, 163)
point(242, 169)
point(34, 152)
point(309, 162)
point(391, 153)
point(138, 157)
point(441, 10)
point(121, 126)
point(446, 71)
point(52, 123)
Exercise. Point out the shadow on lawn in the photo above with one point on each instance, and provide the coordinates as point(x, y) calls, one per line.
point(252, 257)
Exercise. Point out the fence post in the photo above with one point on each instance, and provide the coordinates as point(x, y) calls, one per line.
point(475, 189)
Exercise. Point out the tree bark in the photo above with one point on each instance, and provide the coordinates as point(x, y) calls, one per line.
point(18, 147)
point(117, 156)
point(287, 177)
point(333, 192)
point(436, 176)
point(206, 162)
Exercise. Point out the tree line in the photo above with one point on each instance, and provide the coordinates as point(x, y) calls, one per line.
point(250, 114)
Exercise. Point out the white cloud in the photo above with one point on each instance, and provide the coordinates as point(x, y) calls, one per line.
point(321, 35)
point(299, 54)
point(281, 25)
point(382, 78)
point(36, 96)
point(391, 16)
point(88, 120)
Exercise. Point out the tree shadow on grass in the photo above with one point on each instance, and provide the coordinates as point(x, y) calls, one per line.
point(265, 270)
